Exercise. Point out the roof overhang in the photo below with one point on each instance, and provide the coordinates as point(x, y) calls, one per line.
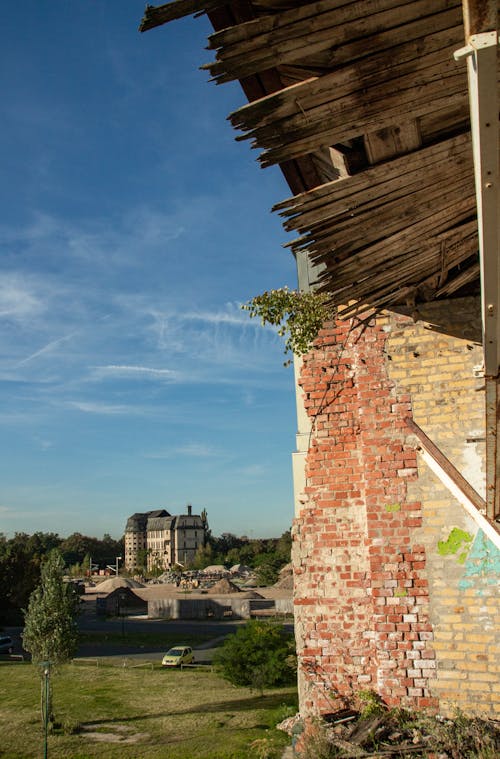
point(366, 109)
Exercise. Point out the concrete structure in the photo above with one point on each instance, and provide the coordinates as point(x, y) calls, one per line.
point(164, 539)
point(217, 607)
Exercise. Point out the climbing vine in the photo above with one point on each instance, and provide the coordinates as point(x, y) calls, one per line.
point(298, 315)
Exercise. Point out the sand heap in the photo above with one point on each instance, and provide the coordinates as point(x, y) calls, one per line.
point(285, 579)
point(108, 586)
point(223, 588)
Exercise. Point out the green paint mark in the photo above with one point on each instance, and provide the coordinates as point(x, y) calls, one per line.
point(400, 592)
point(392, 507)
point(457, 540)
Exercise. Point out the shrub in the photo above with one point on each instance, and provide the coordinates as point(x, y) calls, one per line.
point(259, 655)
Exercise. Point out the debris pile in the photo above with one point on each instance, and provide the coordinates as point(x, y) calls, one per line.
point(348, 734)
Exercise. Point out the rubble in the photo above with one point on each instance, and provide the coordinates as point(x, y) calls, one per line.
point(383, 732)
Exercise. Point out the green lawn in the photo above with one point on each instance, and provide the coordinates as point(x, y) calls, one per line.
point(189, 714)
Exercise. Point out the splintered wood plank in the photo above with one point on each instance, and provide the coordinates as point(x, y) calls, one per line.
point(359, 111)
point(291, 23)
point(375, 181)
point(162, 14)
point(284, 42)
point(410, 264)
point(431, 51)
point(339, 215)
point(409, 267)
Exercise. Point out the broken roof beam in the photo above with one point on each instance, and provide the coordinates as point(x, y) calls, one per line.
point(161, 14)
point(340, 106)
point(473, 503)
point(334, 31)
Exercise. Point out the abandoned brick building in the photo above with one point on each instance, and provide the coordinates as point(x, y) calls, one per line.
point(383, 117)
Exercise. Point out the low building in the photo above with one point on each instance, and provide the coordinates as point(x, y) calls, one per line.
point(158, 540)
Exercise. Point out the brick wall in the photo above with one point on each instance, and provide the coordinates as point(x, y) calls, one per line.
point(395, 589)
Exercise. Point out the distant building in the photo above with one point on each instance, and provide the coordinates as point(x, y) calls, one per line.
point(164, 539)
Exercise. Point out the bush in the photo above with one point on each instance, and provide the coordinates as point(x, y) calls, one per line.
point(259, 655)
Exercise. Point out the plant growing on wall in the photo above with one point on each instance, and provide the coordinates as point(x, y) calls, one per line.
point(298, 316)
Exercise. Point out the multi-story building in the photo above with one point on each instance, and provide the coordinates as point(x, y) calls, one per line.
point(160, 540)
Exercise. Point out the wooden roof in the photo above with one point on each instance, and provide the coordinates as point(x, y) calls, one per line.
point(363, 106)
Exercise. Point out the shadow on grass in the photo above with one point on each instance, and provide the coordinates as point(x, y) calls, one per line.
point(270, 701)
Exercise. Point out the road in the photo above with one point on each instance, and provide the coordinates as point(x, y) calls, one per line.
point(91, 623)
point(153, 652)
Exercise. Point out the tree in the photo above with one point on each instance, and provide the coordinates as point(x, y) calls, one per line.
point(50, 632)
point(20, 573)
point(298, 316)
point(259, 655)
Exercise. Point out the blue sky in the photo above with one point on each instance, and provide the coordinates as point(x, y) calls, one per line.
point(132, 227)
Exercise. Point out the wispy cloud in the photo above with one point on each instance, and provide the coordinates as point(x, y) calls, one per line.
point(139, 372)
point(19, 300)
point(51, 346)
point(190, 450)
point(254, 471)
point(232, 316)
point(108, 409)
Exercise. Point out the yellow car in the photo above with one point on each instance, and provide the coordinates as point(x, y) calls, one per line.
point(177, 656)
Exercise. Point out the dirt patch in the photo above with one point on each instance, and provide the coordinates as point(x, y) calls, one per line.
point(108, 732)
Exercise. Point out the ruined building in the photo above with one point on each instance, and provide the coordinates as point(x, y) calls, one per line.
point(163, 540)
point(383, 117)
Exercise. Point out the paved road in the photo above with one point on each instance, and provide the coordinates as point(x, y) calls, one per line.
point(149, 652)
point(217, 630)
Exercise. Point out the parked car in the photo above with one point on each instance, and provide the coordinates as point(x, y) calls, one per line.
point(177, 656)
point(6, 646)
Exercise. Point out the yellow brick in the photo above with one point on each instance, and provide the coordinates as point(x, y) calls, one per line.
point(450, 619)
point(469, 646)
point(484, 638)
point(475, 666)
point(449, 674)
point(485, 677)
point(474, 685)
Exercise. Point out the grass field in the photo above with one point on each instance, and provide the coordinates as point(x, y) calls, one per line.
point(113, 712)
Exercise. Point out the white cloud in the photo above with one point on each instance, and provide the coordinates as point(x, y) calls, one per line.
point(194, 450)
point(139, 372)
point(96, 407)
point(49, 348)
point(254, 471)
point(19, 300)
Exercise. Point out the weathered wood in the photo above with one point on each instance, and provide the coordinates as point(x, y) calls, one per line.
point(290, 22)
point(374, 179)
point(347, 199)
point(289, 43)
point(392, 141)
point(403, 270)
point(352, 116)
point(372, 73)
point(380, 285)
point(464, 278)
point(476, 505)
point(438, 222)
point(162, 14)
point(480, 16)
point(433, 51)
